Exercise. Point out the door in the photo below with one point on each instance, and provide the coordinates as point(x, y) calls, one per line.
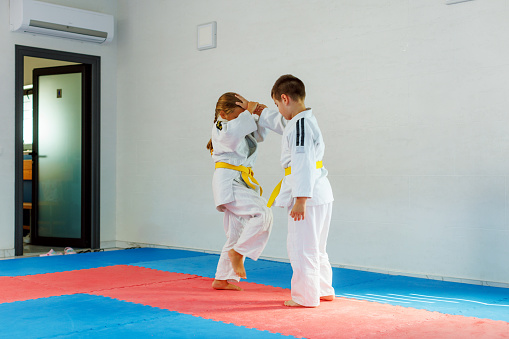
point(61, 152)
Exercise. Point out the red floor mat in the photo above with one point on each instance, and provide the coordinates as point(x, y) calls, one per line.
point(80, 281)
point(16, 289)
point(96, 279)
point(258, 306)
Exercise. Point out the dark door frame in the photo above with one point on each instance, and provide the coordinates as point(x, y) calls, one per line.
point(94, 63)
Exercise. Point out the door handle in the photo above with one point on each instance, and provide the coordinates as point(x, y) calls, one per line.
point(35, 155)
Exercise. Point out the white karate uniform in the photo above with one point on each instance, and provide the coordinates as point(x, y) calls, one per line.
point(301, 147)
point(247, 220)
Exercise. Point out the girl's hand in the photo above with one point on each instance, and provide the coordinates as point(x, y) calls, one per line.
point(243, 102)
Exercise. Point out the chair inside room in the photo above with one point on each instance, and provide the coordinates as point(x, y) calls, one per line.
point(27, 194)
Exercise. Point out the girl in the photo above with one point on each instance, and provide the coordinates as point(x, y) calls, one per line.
point(247, 220)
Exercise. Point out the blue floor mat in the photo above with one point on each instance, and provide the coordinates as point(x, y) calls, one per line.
point(432, 295)
point(205, 266)
point(89, 316)
point(62, 263)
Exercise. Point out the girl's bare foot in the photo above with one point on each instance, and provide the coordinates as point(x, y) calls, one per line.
point(238, 263)
point(224, 285)
point(327, 298)
point(291, 303)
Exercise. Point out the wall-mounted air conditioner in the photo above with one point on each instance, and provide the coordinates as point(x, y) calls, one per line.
point(39, 17)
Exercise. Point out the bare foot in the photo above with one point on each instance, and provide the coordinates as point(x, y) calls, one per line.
point(224, 285)
point(291, 303)
point(327, 298)
point(238, 263)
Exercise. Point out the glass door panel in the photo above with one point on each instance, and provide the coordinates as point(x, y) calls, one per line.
point(59, 152)
point(58, 207)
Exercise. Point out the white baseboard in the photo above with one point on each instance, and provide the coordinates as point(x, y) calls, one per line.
point(427, 276)
point(7, 253)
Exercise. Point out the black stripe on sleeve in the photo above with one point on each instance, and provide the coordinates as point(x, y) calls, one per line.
point(298, 133)
point(302, 132)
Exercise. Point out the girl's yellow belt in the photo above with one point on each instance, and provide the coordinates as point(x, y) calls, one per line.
point(247, 174)
point(276, 190)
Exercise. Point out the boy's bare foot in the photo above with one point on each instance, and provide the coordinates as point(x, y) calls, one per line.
point(327, 298)
point(238, 263)
point(224, 285)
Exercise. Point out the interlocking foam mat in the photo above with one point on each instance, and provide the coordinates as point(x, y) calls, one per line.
point(167, 294)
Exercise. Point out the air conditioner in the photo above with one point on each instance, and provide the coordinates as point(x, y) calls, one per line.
point(39, 17)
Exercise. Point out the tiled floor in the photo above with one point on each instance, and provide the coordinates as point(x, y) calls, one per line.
point(36, 250)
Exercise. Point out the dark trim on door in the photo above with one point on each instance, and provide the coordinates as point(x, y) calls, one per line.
point(84, 240)
point(94, 64)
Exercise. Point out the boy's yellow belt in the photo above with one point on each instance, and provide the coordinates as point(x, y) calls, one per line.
point(276, 190)
point(247, 174)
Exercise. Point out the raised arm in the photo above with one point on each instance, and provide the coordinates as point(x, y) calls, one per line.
point(272, 120)
point(234, 131)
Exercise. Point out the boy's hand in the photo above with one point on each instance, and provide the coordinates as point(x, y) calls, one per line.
point(259, 109)
point(243, 102)
point(298, 211)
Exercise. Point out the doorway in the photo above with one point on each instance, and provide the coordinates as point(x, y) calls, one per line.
point(65, 183)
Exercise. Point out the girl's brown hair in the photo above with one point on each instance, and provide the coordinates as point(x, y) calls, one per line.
point(226, 103)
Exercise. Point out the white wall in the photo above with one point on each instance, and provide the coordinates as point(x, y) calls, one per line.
point(411, 96)
point(108, 56)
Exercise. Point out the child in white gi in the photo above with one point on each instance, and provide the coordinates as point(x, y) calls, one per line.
point(247, 220)
point(305, 190)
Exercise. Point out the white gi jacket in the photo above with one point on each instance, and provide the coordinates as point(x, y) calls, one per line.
point(236, 143)
point(301, 147)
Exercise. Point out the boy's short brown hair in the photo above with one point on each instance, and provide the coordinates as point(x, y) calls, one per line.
point(289, 85)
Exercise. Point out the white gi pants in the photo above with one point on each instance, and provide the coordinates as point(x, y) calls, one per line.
point(247, 224)
point(306, 244)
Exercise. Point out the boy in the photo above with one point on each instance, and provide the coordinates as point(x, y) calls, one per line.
point(305, 190)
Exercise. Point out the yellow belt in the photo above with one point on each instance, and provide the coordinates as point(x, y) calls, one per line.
point(247, 174)
point(276, 190)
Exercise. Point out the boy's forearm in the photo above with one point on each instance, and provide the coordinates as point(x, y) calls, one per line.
point(301, 200)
